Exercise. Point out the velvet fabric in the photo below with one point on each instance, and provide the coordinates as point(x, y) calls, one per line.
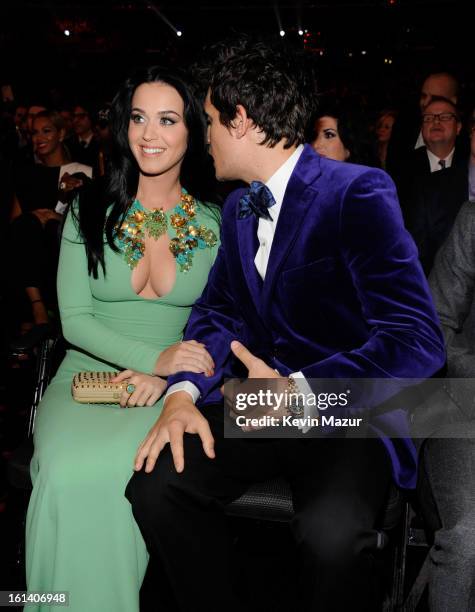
point(344, 294)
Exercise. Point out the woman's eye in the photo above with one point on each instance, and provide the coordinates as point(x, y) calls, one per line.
point(329, 134)
point(136, 118)
point(167, 121)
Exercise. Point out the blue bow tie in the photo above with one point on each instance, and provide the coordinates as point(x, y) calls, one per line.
point(257, 200)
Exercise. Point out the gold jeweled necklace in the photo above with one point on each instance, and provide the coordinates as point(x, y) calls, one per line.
point(141, 223)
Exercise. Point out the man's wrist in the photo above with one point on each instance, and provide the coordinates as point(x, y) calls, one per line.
point(295, 403)
point(185, 386)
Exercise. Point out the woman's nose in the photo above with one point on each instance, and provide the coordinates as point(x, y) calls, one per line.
point(150, 131)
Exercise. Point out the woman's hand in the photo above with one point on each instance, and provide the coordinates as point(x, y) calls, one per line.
point(69, 183)
point(147, 389)
point(45, 214)
point(187, 356)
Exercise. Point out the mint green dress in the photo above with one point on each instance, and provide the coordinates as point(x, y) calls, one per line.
point(81, 535)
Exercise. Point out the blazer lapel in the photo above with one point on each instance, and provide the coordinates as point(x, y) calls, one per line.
point(248, 245)
point(297, 199)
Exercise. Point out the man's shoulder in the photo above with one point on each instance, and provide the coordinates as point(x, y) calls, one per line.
point(343, 174)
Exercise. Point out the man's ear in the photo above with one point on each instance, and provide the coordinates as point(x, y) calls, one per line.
point(241, 122)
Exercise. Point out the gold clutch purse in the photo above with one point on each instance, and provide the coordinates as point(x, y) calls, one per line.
point(96, 388)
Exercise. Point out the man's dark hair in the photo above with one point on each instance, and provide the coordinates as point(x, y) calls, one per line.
point(273, 82)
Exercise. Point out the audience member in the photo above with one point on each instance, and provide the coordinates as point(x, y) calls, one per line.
point(383, 130)
point(406, 134)
point(449, 457)
point(436, 183)
point(104, 138)
point(67, 115)
point(343, 135)
point(83, 145)
point(471, 163)
point(20, 120)
point(42, 192)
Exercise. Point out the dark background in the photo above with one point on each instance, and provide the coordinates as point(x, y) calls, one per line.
point(107, 39)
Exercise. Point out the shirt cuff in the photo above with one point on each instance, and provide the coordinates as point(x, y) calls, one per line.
point(187, 386)
point(304, 387)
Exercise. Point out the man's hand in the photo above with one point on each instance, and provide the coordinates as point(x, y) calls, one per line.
point(258, 369)
point(179, 415)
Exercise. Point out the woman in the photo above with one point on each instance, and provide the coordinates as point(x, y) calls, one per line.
point(384, 127)
point(42, 192)
point(343, 135)
point(125, 295)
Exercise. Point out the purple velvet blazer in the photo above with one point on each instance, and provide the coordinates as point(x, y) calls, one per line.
point(344, 295)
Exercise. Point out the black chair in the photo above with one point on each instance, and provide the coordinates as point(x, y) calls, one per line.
point(272, 501)
point(42, 344)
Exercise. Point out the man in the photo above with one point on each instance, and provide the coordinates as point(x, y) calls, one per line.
point(471, 160)
point(449, 455)
point(441, 125)
point(437, 85)
point(317, 277)
point(406, 134)
point(83, 144)
point(437, 184)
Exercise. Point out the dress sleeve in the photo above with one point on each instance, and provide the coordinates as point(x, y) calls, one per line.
point(80, 326)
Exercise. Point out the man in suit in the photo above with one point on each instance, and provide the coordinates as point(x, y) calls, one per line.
point(83, 144)
point(449, 455)
point(317, 278)
point(437, 179)
point(406, 134)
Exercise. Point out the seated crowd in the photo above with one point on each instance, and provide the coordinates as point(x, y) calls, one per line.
point(118, 233)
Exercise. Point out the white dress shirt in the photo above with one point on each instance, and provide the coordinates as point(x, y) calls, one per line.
point(434, 160)
point(277, 184)
point(420, 141)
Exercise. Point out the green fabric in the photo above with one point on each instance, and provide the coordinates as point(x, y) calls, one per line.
point(81, 535)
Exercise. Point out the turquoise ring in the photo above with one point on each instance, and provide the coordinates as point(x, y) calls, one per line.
point(130, 388)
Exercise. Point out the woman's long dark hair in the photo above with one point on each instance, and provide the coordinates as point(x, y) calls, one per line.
point(105, 203)
point(353, 129)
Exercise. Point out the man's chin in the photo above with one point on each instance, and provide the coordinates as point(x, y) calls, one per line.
point(225, 178)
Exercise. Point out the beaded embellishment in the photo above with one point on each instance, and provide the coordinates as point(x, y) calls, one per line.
point(140, 223)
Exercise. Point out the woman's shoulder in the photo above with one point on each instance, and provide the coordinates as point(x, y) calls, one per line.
point(209, 213)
